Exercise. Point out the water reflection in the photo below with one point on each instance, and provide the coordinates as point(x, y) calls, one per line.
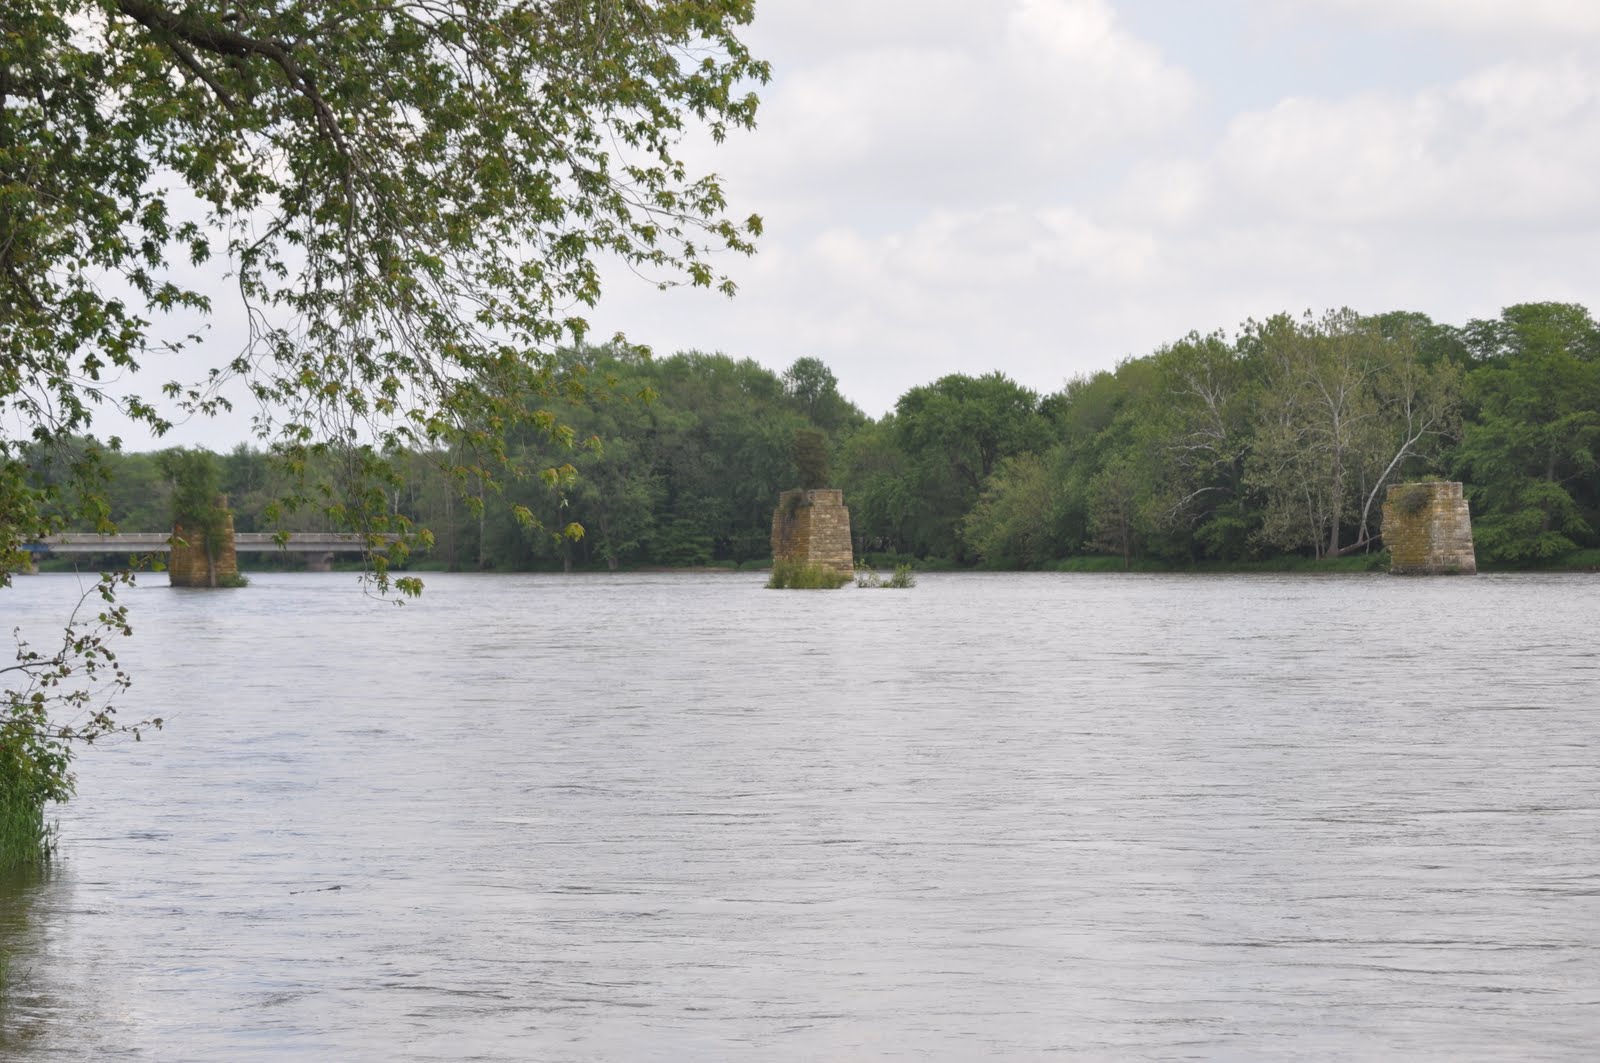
point(24, 1006)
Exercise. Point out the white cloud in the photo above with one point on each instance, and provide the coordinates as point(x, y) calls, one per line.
point(1512, 144)
point(1033, 93)
point(1026, 185)
point(1522, 18)
point(1086, 76)
point(1455, 199)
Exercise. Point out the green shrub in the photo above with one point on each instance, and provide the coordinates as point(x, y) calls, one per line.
point(1582, 561)
point(867, 577)
point(25, 789)
point(799, 576)
point(1412, 498)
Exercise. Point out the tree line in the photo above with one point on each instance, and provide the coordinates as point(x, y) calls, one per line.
point(1276, 441)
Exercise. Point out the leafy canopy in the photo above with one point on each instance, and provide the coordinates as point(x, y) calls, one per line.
point(413, 198)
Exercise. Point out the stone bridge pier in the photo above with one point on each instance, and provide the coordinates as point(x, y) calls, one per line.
point(199, 560)
point(1428, 530)
point(813, 528)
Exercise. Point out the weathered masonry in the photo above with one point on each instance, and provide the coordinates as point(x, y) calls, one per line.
point(1428, 530)
point(813, 528)
point(195, 562)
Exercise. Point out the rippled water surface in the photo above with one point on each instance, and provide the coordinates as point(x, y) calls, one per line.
point(668, 817)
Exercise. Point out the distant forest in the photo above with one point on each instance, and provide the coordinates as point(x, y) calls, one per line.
point(1276, 442)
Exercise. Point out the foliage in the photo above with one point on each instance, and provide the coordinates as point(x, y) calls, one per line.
point(811, 458)
point(1343, 408)
point(1016, 522)
point(867, 577)
point(1411, 499)
point(800, 576)
point(1168, 462)
point(956, 431)
point(413, 200)
point(814, 392)
point(313, 142)
point(196, 485)
point(54, 700)
point(1528, 452)
point(903, 578)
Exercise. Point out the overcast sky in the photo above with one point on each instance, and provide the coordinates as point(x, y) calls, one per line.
point(1046, 187)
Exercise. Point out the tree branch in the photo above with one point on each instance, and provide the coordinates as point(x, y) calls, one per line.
point(182, 28)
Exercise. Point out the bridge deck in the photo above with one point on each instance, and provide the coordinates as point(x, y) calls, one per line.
point(161, 543)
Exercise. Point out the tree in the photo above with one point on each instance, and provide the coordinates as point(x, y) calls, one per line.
point(880, 483)
point(196, 491)
point(1015, 523)
point(814, 390)
point(412, 198)
point(1533, 431)
point(1343, 409)
point(956, 430)
point(811, 458)
point(1201, 420)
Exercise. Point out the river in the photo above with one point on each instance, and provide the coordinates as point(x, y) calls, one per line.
point(674, 817)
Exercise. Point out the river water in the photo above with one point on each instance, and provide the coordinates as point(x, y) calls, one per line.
point(671, 817)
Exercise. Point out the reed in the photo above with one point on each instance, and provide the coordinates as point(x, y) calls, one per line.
point(867, 577)
point(799, 576)
point(24, 838)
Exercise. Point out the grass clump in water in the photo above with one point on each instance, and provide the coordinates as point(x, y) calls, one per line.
point(24, 837)
point(800, 576)
point(867, 577)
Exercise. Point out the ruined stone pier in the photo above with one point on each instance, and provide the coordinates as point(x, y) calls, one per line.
point(813, 528)
point(1428, 530)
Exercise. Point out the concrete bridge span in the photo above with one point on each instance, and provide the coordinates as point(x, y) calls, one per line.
point(161, 543)
point(198, 564)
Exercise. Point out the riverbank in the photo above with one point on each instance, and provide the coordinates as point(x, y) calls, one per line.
point(1378, 561)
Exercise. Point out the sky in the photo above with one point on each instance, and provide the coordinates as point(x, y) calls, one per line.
point(1048, 187)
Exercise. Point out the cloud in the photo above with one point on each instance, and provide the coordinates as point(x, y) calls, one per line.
point(1454, 199)
point(1513, 144)
point(1032, 94)
point(1496, 17)
point(1027, 185)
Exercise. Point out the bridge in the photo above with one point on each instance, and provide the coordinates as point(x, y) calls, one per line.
point(161, 543)
point(191, 563)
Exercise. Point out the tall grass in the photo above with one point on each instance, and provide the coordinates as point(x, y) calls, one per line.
point(799, 576)
point(24, 838)
point(867, 577)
